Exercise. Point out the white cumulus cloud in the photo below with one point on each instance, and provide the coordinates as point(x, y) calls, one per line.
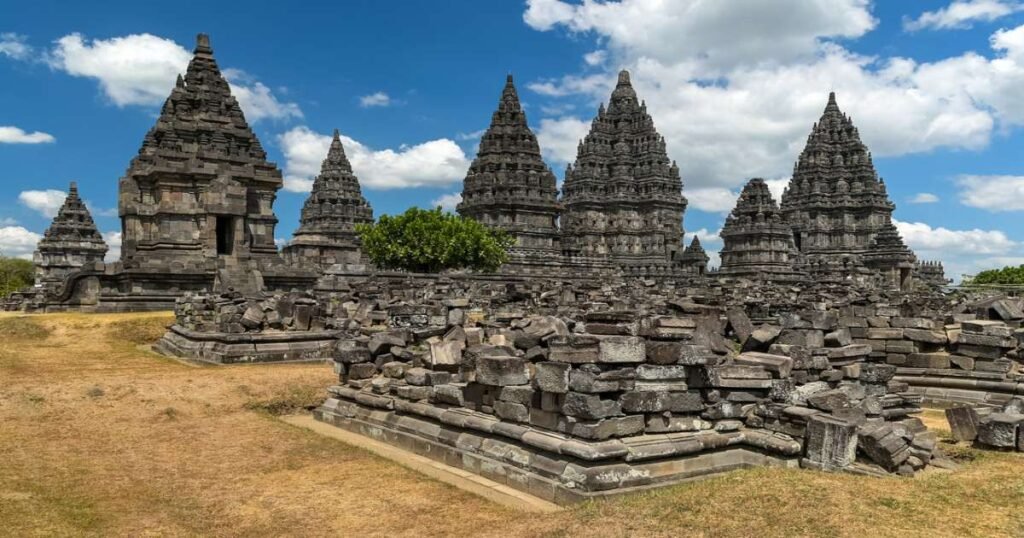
point(992, 193)
point(961, 251)
point(15, 46)
point(447, 202)
point(140, 69)
point(753, 118)
point(924, 198)
point(13, 135)
point(375, 99)
point(46, 202)
point(716, 34)
point(18, 242)
point(113, 240)
point(559, 138)
point(962, 14)
point(433, 163)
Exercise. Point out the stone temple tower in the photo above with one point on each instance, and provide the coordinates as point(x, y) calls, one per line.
point(836, 204)
point(758, 244)
point(327, 229)
point(72, 242)
point(623, 196)
point(198, 197)
point(509, 187)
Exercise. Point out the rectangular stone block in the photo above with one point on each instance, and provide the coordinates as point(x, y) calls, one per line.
point(925, 336)
point(621, 349)
point(780, 365)
point(928, 360)
point(1005, 342)
point(645, 401)
point(738, 377)
point(963, 422)
point(830, 442)
point(1000, 430)
point(851, 351)
point(878, 333)
point(501, 370)
point(589, 406)
point(552, 376)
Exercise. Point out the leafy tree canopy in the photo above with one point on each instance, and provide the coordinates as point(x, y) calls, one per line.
point(1006, 275)
point(430, 241)
point(15, 274)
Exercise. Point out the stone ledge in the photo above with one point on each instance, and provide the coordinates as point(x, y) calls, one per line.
point(236, 348)
point(537, 470)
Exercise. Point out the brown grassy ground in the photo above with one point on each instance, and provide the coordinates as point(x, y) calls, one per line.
point(100, 438)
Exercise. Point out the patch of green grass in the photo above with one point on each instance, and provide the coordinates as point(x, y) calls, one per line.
point(288, 400)
point(22, 328)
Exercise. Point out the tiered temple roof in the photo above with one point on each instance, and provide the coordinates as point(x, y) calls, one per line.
point(694, 259)
point(71, 242)
point(326, 233)
point(623, 196)
point(835, 203)
point(757, 242)
point(509, 187)
point(200, 191)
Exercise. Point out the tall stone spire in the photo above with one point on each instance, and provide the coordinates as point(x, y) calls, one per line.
point(694, 259)
point(199, 194)
point(623, 195)
point(835, 203)
point(758, 244)
point(891, 258)
point(509, 187)
point(326, 233)
point(71, 242)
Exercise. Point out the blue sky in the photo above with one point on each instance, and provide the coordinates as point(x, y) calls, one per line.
point(734, 86)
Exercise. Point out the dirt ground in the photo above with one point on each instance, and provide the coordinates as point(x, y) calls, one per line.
point(99, 437)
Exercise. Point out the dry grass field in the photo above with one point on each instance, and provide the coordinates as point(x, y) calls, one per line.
point(99, 437)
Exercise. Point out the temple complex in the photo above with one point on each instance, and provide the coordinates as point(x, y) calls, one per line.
point(327, 227)
point(623, 196)
point(757, 242)
point(71, 242)
point(836, 204)
point(509, 187)
point(196, 206)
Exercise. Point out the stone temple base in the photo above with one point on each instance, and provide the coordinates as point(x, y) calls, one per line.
point(554, 467)
point(948, 386)
point(228, 348)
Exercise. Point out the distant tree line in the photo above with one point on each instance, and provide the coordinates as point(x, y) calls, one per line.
point(1007, 275)
point(15, 274)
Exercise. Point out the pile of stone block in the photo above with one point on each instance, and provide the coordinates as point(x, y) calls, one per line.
point(1001, 428)
point(233, 313)
point(801, 389)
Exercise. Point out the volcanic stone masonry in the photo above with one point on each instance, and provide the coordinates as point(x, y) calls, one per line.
point(757, 242)
point(623, 196)
point(509, 187)
point(71, 242)
point(573, 391)
point(327, 228)
point(837, 205)
point(196, 207)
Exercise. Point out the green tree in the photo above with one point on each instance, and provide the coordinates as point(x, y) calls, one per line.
point(1006, 275)
point(15, 274)
point(429, 241)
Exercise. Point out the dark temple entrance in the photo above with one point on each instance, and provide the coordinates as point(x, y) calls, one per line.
point(225, 235)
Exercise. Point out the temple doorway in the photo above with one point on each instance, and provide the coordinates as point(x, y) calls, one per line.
point(225, 235)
